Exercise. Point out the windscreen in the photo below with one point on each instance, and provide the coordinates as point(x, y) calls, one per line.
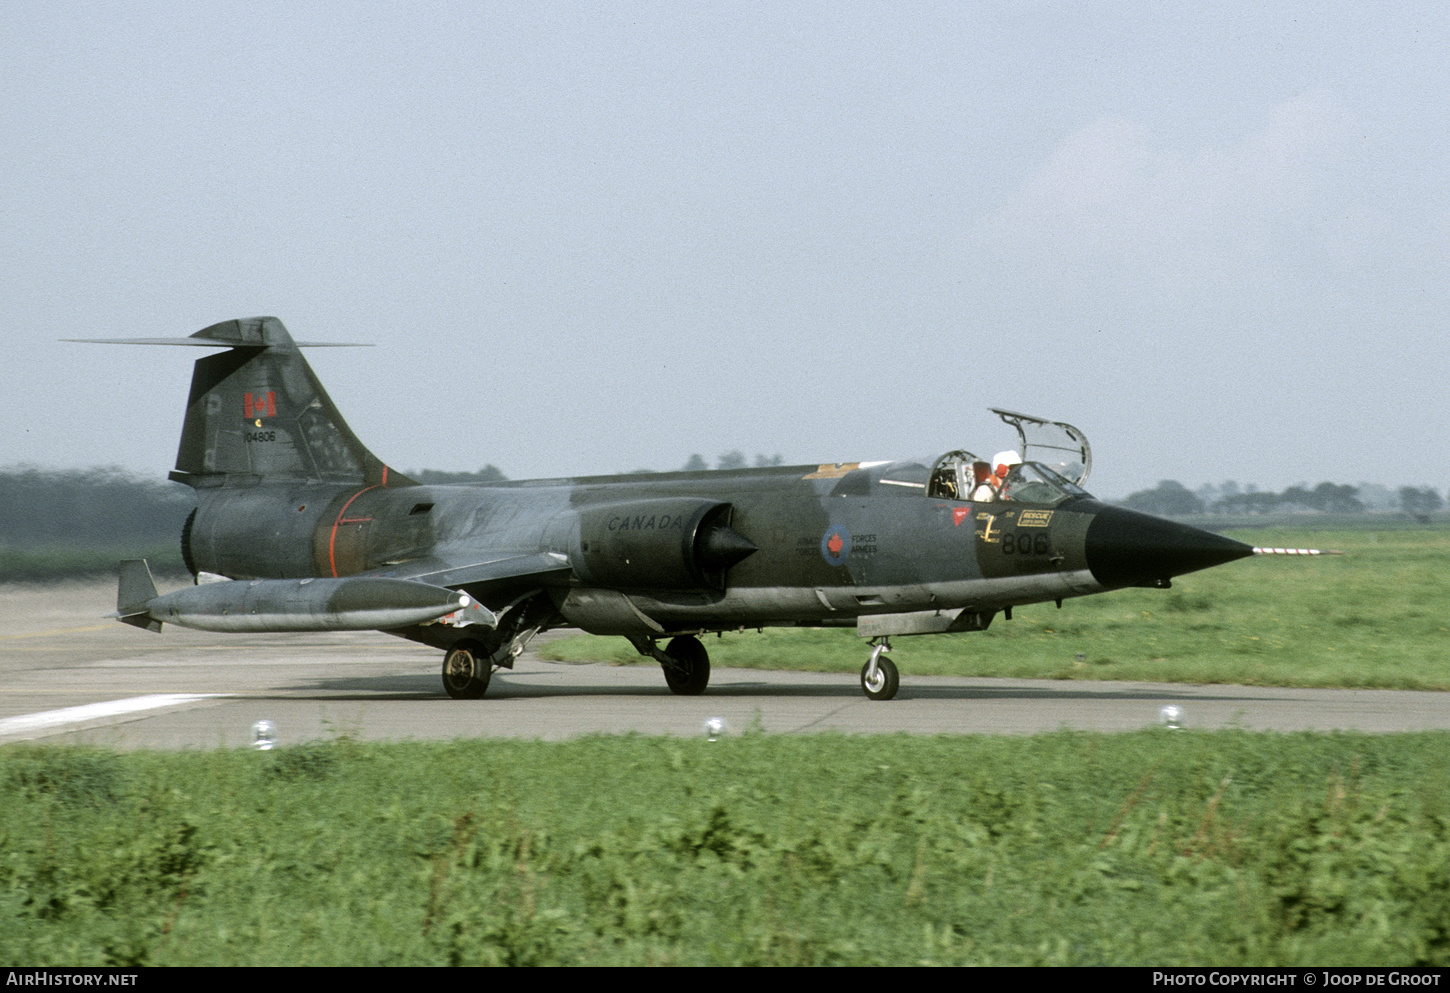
point(1032, 482)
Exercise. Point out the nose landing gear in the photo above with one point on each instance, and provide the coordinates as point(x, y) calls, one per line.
point(879, 678)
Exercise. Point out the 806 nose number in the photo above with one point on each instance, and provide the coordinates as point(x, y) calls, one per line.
point(1026, 543)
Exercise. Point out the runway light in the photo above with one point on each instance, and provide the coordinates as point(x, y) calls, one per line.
point(714, 728)
point(1171, 717)
point(264, 736)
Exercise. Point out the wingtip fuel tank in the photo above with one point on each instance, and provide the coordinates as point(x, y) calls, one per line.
point(357, 603)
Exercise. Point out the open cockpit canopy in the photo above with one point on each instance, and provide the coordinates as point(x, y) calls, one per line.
point(1055, 460)
point(1061, 447)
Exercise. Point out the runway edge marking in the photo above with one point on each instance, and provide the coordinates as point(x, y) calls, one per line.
point(43, 720)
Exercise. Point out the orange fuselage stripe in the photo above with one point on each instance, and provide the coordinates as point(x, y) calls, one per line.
point(332, 539)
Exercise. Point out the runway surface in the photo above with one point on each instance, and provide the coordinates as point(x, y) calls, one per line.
point(68, 674)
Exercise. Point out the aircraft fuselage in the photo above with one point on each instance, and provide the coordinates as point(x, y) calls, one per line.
point(287, 495)
point(830, 544)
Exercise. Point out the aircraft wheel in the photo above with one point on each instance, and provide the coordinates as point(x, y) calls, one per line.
point(466, 671)
point(691, 672)
point(887, 680)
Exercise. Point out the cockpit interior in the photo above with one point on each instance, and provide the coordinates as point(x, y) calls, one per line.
point(960, 475)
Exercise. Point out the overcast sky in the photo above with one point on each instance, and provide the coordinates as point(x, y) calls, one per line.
point(599, 237)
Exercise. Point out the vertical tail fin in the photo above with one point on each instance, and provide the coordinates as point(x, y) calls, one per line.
point(258, 414)
point(258, 411)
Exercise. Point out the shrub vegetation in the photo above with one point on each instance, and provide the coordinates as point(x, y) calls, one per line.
point(1159, 847)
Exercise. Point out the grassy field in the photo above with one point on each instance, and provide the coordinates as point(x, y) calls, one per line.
point(1189, 848)
point(1378, 616)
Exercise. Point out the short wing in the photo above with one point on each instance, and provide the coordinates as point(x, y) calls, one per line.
point(539, 568)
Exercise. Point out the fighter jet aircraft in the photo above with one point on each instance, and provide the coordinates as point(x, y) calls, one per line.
point(298, 527)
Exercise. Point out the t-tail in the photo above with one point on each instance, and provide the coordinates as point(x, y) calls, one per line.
point(257, 414)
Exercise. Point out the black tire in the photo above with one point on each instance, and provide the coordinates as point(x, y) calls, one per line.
point(466, 671)
point(690, 673)
point(888, 680)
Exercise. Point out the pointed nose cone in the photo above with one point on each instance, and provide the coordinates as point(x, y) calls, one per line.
point(1126, 548)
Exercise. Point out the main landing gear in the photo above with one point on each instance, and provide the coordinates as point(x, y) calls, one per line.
point(469, 662)
point(879, 678)
point(466, 670)
point(685, 662)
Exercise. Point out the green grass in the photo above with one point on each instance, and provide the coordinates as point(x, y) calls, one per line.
point(1378, 616)
point(1317, 522)
point(1188, 848)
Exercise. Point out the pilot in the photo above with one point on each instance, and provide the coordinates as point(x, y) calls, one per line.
point(1002, 464)
point(982, 489)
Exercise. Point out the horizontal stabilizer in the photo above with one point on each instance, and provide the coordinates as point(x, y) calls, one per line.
point(209, 343)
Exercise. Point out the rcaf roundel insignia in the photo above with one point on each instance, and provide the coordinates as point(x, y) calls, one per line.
point(835, 545)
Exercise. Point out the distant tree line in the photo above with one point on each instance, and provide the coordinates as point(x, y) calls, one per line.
point(89, 507)
point(63, 523)
point(488, 474)
point(732, 460)
point(1172, 499)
